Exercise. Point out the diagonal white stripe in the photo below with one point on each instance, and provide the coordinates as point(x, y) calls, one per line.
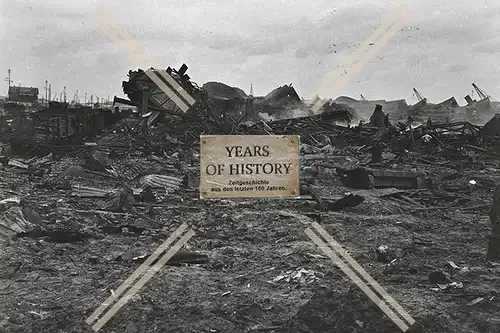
point(369, 55)
point(176, 86)
point(353, 65)
point(354, 278)
point(338, 248)
point(145, 265)
point(180, 103)
point(138, 55)
point(362, 48)
point(146, 277)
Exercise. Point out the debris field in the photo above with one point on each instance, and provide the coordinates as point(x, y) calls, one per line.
point(81, 209)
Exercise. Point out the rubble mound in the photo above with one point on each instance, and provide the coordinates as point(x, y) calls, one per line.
point(493, 126)
point(223, 90)
point(336, 107)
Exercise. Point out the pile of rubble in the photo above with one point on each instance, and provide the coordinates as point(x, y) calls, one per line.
point(406, 197)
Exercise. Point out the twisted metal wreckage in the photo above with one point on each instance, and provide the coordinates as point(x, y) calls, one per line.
point(61, 123)
point(163, 123)
point(208, 115)
point(56, 125)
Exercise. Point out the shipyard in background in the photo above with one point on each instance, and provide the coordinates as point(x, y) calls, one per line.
point(31, 117)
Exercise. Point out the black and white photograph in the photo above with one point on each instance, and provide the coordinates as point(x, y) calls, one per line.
point(249, 166)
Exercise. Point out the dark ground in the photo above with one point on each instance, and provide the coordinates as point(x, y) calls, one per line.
point(52, 284)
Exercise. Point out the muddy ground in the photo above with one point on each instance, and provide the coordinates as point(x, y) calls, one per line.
point(52, 282)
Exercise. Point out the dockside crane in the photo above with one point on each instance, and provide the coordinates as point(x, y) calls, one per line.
point(76, 98)
point(362, 97)
point(418, 95)
point(480, 92)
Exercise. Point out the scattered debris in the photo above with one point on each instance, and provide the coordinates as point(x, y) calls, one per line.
point(169, 183)
point(384, 255)
point(14, 222)
point(300, 275)
point(105, 185)
point(120, 200)
point(18, 164)
point(90, 192)
point(448, 286)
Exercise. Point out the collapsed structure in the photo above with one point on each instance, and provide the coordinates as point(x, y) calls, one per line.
point(59, 123)
point(216, 108)
point(449, 110)
point(113, 182)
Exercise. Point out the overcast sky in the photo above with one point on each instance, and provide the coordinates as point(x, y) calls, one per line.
point(441, 49)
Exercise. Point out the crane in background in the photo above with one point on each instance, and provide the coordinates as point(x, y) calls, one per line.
point(76, 98)
point(418, 95)
point(362, 97)
point(480, 92)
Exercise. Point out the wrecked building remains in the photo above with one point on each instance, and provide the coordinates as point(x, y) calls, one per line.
point(86, 193)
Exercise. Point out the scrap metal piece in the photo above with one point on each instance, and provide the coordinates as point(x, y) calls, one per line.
point(120, 200)
point(13, 222)
point(351, 200)
point(90, 192)
point(161, 181)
